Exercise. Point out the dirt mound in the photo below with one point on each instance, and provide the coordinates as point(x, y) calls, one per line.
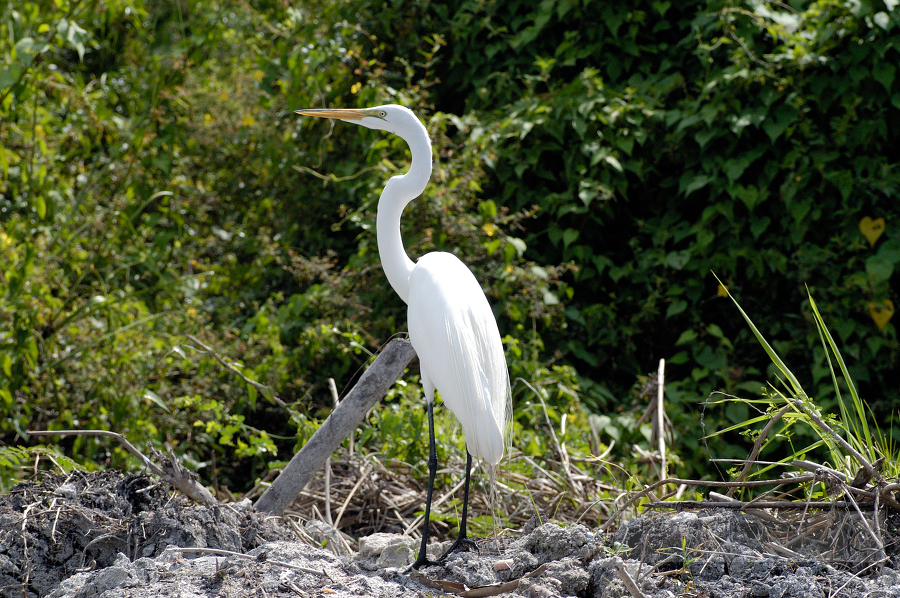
point(80, 521)
point(109, 534)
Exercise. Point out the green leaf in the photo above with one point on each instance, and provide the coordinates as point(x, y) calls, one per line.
point(40, 206)
point(74, 34)
point(759, 225)
point(884, 72)
point(25, 51)
point(677, 259)
point(614, 163)
point(777, 121)
point(517, 244)
point(10, 75)
point(550, 298)
point(156, 399)
point(675, 308)
point(487, 209)
point(686, 337)
point(735, 167)
point(879, 269)
point(694, 183)
point(705, 136)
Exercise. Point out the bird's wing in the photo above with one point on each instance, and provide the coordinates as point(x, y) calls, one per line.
point(454, 332)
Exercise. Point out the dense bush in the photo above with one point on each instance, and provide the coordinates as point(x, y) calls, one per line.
point(667, 141)
point(595, 164)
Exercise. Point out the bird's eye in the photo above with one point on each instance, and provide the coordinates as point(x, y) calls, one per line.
point(382, 114)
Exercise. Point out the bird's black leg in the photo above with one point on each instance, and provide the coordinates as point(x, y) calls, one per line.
point(462, 539)
point(422, 559)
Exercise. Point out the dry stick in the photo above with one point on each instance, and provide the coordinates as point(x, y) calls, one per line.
point(814, 467)
point(337, 401)
point(660, 418)
point(866, 524)
point(220, 552)
point(886, 496)
point(230, 367)
point(334, 393)
point(711, 483)
point(757, 446)
point(563, 455)
point(372, 386)
point(632, 587)
point(174, 473)
point(359, 482)
point(763, 515)
point(844, 444)
point(743, 506)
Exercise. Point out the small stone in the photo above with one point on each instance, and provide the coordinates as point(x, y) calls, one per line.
point(396, 555)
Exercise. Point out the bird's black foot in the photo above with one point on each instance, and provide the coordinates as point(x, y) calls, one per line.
point(422, 561)
point(461, 542)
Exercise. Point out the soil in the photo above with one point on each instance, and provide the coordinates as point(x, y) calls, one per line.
point(110, 534)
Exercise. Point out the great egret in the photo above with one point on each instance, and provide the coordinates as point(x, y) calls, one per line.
point(451, 325)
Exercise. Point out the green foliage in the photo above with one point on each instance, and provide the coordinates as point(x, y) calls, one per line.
point(676, 139)
point(145, 201)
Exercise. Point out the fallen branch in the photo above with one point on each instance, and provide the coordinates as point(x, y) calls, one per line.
point(260, 558)
point(171, 471)
point(710, 483)
point(629, 583)
point(686, 505)
point(453, 587)
point(837, 438)
point(372, 386)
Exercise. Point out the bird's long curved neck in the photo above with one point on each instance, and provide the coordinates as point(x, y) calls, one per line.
point(398, 192)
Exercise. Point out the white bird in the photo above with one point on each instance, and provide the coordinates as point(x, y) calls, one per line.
point(451, 325)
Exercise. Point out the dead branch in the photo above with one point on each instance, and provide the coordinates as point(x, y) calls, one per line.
point(372, 386)
point(234, 369)
point(758, 445)
point(837, 437)
point(691, 505)
point(637, 496)
point(171, 470)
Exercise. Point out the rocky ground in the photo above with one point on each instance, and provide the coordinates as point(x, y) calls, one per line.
point(108, 534)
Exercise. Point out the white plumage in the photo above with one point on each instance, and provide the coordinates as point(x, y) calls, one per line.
point(454, 332)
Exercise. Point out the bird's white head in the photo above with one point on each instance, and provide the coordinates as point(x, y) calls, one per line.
point(390, 117)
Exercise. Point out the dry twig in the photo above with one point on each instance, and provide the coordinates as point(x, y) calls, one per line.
point(171, 471)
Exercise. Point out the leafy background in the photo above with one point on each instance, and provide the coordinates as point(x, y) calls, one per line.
point(163, 211)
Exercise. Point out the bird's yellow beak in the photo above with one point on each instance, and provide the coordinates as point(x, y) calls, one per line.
point(342, 114)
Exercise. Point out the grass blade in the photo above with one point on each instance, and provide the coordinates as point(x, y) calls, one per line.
point(795, 384)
